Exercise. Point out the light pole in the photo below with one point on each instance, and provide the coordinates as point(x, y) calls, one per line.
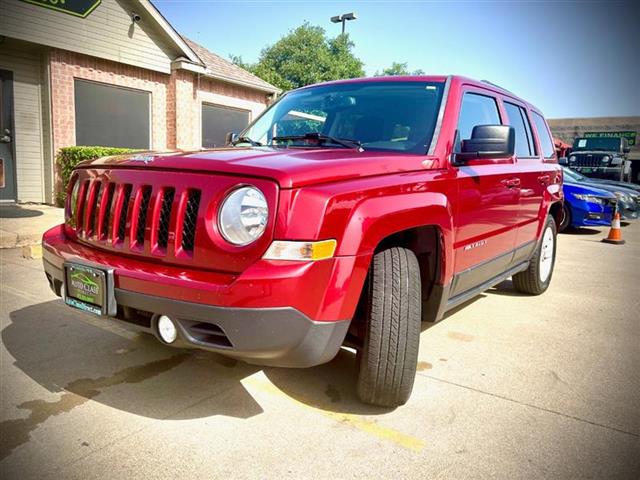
point(343, 18)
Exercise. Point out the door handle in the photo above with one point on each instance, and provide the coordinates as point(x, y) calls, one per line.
point(5, 139)
point(544, 179)
point(511, 182)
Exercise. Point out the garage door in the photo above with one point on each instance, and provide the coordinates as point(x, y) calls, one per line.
point(110, 116)
point(217, 121)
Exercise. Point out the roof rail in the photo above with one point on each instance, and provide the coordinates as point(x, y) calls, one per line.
point(497, 86)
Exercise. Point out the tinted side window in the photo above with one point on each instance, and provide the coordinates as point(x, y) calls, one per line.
point(476, 110)
point(517, 121)
point(543, 134)
point(527, 125)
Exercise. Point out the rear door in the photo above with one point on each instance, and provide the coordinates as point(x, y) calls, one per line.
point(488, 201)
point(533, 179)
point(550, 172)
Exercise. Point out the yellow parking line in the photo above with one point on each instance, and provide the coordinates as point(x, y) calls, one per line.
point(355, 421)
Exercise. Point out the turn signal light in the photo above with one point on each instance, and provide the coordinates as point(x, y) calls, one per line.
point(287, 250)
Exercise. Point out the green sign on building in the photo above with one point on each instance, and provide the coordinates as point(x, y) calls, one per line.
point(630, 136)
point(78, 8)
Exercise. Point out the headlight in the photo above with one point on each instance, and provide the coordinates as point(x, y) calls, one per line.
point(243, 216)
point(622, 196)
point(589, 198)
point(572, 158)
point(606, 159)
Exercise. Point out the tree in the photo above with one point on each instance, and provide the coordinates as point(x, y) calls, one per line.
point(397, 69)
point(305, 56)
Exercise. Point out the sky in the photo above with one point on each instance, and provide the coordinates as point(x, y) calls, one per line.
point(570, 59)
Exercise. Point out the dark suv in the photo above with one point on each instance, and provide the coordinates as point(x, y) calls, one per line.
point(601, 157)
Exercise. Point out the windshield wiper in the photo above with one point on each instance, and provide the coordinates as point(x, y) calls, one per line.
point(321, 137)
point(248, 140)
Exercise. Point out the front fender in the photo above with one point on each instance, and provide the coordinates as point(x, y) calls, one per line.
point(360, 214)
point(376, 218)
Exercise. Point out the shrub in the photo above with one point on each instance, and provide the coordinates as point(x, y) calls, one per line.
point(69, 157)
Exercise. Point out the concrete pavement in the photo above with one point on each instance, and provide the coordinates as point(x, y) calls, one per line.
point(24, 224)
point(509, 386)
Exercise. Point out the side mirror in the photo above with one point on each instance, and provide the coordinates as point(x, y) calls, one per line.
point(230, 138)
point(563, 161)
point(487, 141)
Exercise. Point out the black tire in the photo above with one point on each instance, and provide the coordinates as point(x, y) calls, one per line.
point(388, 359)
point(530, 281)
point(566, 218)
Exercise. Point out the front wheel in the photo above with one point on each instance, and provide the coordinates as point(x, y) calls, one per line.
point(389, 357)
point(537, 277)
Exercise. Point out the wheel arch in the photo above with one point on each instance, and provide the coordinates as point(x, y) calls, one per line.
point(555, 210)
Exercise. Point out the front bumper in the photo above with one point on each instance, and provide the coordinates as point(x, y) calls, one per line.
point(276, 335)
point(628, 211)
point(590, 215)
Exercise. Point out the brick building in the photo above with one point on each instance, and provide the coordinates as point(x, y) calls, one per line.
point(110, 73)
point(568, 129)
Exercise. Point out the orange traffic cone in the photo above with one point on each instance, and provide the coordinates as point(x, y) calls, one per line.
point(615, 233)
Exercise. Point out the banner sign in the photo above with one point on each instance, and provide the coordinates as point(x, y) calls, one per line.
point(630, 136)
point(78, 8)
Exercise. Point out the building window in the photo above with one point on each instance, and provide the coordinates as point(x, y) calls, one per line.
point(217, 121)
point(110, 116)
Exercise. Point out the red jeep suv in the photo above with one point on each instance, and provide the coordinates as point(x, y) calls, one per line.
point(347, 213)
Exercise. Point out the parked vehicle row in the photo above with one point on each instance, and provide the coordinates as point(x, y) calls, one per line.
point(591, 202)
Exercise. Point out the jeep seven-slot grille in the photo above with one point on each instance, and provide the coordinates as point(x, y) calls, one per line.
point(119, 215)
point(589, 160)
point(105, 207)
point(165, 217)
point(189, 222)
point(145, 196)
point(122, 218)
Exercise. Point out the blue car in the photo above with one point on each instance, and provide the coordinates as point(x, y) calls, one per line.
point(586, 206)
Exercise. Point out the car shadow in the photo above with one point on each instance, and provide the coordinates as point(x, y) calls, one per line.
point(505, 289)
point(63, 353)
point(427, 325)
point(581, 231)
point(16, 211)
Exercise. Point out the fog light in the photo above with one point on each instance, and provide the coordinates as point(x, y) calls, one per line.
point(167, 329)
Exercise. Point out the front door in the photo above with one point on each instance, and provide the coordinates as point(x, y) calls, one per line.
point(488, 203)
point(7, 160)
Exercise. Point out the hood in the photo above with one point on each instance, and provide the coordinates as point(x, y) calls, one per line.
point(290, 167)
point(594, 152)
point(610, 187)
point(634, 189)
point(581, 188)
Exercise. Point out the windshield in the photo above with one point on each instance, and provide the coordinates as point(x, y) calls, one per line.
point(597, 143)
point(385, 116)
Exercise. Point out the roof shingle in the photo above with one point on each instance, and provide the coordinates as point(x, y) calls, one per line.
point(219, 67)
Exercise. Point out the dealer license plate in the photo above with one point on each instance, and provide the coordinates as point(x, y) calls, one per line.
point(86, 288)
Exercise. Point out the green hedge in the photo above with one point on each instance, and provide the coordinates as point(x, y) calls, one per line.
point(69, 157)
